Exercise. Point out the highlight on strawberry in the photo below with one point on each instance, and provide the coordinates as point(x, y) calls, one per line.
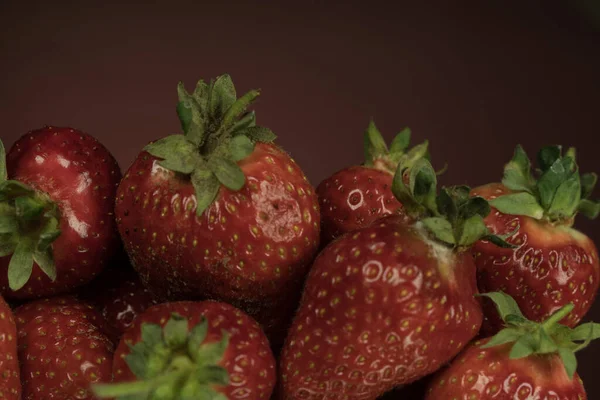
point(355, 196)
point(390, 303)
point(192, 350)
point(552, 263)
point(525, 359)
point(57, 228)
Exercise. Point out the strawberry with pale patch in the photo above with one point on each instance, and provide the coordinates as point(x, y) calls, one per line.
point(356, 196)
point(63, 349)
point(10, 384)
point(551, 263)
point(525, 360)
point(391, 303)
point(192, 350)
point(220, 212)
point(57, 228)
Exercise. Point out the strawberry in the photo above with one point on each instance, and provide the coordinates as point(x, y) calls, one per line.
point(10, 385)
point(525, 360)
point(119, 295)
point(192, 350)
point(62, 348)
point(57, 229)
point(355, 196)
point(388, 304)
point(551, 263)
point(220, 212)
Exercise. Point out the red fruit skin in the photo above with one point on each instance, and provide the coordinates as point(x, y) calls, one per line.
point(62, 349)
point(119, 295)
point(10, 384)
point(354, 198)
point(490, 374)
point(248, 358)
point(81, 176)
point(381, 308)
point(551, 267)
point(250, 248)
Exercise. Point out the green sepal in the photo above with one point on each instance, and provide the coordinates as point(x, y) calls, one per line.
point(222, 96)
point(8, 244)
point(473, 229)
point(206, 187)
point(45, 261)
point(248, 120)
point(240, 147)
point(9, 190)
point(192, 114)
point(374, 144)
point(260, 134)
point(590, 209)
point(48, 234)
point(517, 172)
point(227, 172)
point(3, 171)
point(177, 152)
point(548, 184)
point(9, 223)
point(401, 142)
point(212, 353)
point(28, 208)
point(197, 337)
point(588, 183)
point(520, 203)
point(238, 108)
point(441, 229)
point(176, 331)
point(538, 338)
point(547, 156)
point(20, 266)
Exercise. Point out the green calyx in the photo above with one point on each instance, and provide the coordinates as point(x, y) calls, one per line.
point(453, 217)
point(555, 192)
point(379, 156)
point(530, 338)
point(172, 363)
point(218, 131)
point(29, 224)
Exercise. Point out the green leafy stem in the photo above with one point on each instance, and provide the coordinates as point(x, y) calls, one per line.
point(554, 192)
point(29, 224)
point(218, 131)
point(453, 216)
point(172, 362)
point(540, 338)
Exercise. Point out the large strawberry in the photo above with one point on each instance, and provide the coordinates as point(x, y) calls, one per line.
point(118, 294)
point(62, 349)
point(220, 212)
point(192, 350)
point(525, 360)
point(552, 263)
point(388, 304)
point(355, 196)
point(57, 228)
point(10, 385)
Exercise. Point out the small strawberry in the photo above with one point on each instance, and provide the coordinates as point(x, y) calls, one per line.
point(220, 212)
point(192, 350)
point(356, 196)
point(388, 304)
point(525, 360)
point(10, 385)
point(57, 229)
point(62, 349)
point(119, 295)
point(551, 263)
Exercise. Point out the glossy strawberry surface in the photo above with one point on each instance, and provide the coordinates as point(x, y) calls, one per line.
point(10, 384)
point(62, 349)
point(251, 248)
point(353, 198)
point(247, 359)
point(80, 175)
point(382, 307)
point(490, 374)
point(550, 267)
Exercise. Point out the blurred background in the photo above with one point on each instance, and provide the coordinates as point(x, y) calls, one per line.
point(473, 77)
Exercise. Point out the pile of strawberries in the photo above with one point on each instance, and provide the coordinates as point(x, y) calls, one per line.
point(212, 269)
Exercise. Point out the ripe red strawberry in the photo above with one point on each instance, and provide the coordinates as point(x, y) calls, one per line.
point(10, 385)
point(526, 360)
point(119, 295)
point(192, 350)
point(355, 196)
point(553, 263)
point(57, 229)
point(220, 212)
point(62, 349)
point(390, 303)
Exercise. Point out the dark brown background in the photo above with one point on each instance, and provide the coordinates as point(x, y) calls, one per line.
point(473, 77)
